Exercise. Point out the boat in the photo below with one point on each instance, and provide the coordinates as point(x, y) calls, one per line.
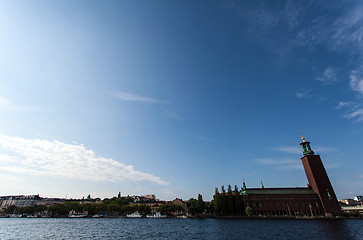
point(98, 216)
point(134, 215)
point(77, 216)
point(155, 215)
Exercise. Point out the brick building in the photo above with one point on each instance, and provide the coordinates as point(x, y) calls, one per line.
point(318, 199)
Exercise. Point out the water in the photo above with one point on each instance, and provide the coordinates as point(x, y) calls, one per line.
point(122, 228)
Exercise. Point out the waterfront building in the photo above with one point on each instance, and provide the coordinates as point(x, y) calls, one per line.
point(19, 201)
point(180, 202)
point(317, 199)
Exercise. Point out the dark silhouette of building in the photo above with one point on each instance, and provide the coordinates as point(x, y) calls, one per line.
point(319, 181)
point(318, 199)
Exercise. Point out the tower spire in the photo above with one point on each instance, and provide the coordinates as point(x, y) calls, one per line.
point(244, 188)
point(306, 146)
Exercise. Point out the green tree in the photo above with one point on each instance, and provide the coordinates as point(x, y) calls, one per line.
point(210, 207)
point(236, 189)
point(114, 208)
point(217, 202)
point(249, 211)
point(144, 209)
point(10, 209)
point(224, 208)
point(230, 201)
point(192, 206)
point(170, 208)
point(200, 205)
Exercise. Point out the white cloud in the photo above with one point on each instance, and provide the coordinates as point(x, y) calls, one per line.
point(290, 150)
point(298, 150)
point(344, 104)
point(9, 178)
point(356, 114)
point(54, 158)
point(280, 163)
point(304, 94)
point(356, 81)
point(353, 110)
point(328, 76)
point(3, 101)
point(129, 97)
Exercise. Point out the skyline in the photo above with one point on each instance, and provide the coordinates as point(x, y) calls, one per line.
point(175, 99)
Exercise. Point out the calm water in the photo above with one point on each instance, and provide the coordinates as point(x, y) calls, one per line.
point(121, 228)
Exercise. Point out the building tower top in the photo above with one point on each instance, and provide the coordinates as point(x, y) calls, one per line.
point(306, 147)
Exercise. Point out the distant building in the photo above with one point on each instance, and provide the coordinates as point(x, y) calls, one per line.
point(349, 202)
point(50, 201)
point(359, 198)
point(180, 202)
point(150, 198)
point(19, 201)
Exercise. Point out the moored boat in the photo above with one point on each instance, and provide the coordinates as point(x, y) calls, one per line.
point(134, 215)
point(77, 216)
point(155, 215)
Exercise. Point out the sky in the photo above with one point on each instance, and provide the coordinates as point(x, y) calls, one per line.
point(176, 98)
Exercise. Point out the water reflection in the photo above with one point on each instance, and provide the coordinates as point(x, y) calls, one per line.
point(119, 228)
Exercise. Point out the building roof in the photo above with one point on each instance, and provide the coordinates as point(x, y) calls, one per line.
point(298, 190)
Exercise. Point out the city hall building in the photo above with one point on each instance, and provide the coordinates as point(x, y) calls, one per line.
point(318, 199)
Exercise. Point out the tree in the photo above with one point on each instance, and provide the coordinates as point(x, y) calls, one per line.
point(210, 207)
point(217, 202)
point(224, 207)
point(10, 209)
point(170, 208)
point(249, 211)
point(200, 205)
point(236, 189)
point(114, 208)
point(192, 206)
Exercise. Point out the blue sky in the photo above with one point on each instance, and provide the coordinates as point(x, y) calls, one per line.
point(176, 98)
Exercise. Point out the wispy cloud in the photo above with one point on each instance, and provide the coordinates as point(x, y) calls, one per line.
point(356, 81)
point(9, 178)
point(328, 76)
point(58, 159)
point(130, 97)
point(353, 110)
point(297, 150)
point(3, 101)
point(280, 163)
point(355, 114)
point(304, 94)
point(290, 150)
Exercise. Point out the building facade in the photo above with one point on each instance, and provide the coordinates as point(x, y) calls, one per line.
point(318, 199)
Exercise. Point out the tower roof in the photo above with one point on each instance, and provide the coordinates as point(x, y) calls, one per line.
point(306, 147)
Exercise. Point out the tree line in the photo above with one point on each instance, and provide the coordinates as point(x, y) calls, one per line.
point(114, 206)
point(228, 203)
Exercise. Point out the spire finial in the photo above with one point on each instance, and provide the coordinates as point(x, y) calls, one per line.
point(244, 188)
point(302, 137)
point(262, 186)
